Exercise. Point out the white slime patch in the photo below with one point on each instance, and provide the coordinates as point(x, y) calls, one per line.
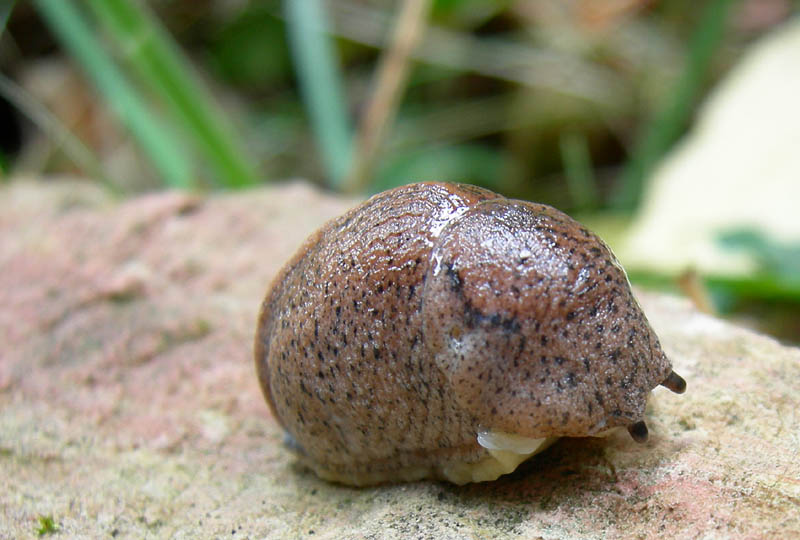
point(498, 440)
point(506, 452)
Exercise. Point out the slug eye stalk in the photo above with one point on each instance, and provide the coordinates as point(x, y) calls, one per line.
point(674, 382)
point(638, 431)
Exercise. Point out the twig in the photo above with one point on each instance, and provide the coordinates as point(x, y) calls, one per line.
point(390, 83)
point(51, 125)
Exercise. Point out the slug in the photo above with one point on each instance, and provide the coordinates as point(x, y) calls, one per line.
point(443, 331)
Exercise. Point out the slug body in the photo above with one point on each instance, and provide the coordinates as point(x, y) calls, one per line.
point(443, 331)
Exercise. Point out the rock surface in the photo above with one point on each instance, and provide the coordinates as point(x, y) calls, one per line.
point(129, 406)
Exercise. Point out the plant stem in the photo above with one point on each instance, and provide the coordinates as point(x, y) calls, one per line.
point(390, 83)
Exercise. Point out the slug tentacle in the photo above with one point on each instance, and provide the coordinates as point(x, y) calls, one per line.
point(638, 431)
point(675, 383)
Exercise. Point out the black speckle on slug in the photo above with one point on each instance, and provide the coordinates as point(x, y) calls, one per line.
point(435, 311)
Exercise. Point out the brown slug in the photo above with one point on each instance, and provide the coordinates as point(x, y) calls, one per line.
point(443, 331)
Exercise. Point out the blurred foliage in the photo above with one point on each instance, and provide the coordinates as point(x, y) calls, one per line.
point(237, 52)
point(672, 117)
point(778, 272)
point(5, 12)
point(158, 61)
point(320, 85)
point(767, 299)
point(543, 99)
point(157, 139)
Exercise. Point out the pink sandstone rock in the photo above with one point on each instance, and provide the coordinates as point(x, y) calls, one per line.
point(129, 405)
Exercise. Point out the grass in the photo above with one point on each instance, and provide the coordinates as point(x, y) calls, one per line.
point(159, 142)
point(149, 82)
point(390, 81)
point(321, 85)
point(47, 525)
point(152, 54)
point(578, 171)
point(5, 13)
point(196, 129)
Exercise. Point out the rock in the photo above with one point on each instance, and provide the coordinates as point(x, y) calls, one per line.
point(129, 405)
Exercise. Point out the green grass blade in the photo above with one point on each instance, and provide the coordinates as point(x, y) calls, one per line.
point(5, 12)
point(152, 52)
point(578, 170)
point(71, 28)
point(673, 116)
point(320, 85)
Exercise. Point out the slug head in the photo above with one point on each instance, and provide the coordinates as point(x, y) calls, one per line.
point(532, 320)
